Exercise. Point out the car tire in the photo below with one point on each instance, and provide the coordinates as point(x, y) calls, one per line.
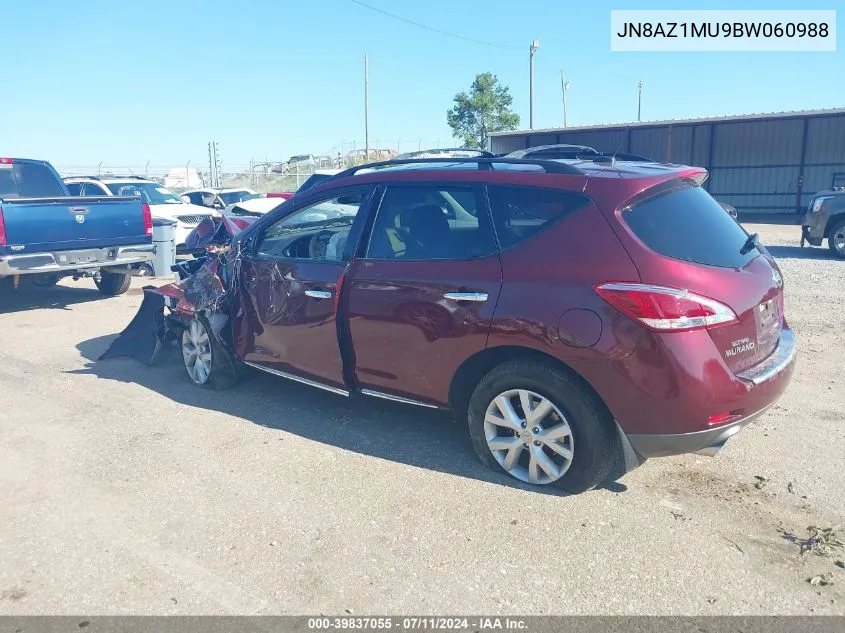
point(205, 359)
point(113, 284)
point(591, 443)
point(836, 240)
point(45, 281)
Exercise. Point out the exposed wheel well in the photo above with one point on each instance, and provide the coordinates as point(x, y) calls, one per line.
point(832, 221)
point(474, 368)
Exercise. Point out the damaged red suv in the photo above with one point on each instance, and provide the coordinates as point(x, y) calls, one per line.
point(574, 312)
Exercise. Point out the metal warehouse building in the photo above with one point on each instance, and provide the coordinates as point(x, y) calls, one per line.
point(760, 163)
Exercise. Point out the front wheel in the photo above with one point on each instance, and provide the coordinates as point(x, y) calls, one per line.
point(538, 424)
point(113, 284)
point(836, 240)
point(207, 362)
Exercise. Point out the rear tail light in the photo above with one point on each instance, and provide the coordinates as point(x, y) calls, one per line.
point(6, 161)
point(665, 309)
point(148, 219)
point(2, 229)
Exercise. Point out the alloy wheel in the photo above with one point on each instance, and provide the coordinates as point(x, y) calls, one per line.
point(838, 240)
point(196, 352)
point(529, 436)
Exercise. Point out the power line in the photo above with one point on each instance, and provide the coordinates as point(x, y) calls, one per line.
point(431, 28)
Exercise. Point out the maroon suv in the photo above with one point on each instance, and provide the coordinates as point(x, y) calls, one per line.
point(575, 312)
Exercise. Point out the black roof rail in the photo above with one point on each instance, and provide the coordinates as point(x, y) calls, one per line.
point(560, 150)
point(483, 162)
point(582, 152)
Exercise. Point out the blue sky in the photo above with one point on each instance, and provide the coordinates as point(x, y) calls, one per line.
point(131, 82)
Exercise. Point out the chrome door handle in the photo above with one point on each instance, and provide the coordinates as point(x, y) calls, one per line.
point(318, 294)
point(466, 296)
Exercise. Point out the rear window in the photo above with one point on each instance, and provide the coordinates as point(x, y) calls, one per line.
point(686, 223)
point(29, 180)
point(520, 212)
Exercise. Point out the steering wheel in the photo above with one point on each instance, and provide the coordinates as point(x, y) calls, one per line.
point(319, 242)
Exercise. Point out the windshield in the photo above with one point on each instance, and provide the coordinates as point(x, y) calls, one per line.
point(231, 197)
point(150, 192)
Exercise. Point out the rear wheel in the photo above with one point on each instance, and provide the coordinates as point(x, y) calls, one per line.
point(113, 284)
point(45, 281)
point(836, 240)
point(539, 425)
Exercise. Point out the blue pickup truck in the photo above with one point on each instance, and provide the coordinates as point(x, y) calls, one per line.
point(46, 234)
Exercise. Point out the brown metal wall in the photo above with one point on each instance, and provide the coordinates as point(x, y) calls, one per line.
point(759, 166)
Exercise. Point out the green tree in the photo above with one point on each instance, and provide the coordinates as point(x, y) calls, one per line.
point(484, 109)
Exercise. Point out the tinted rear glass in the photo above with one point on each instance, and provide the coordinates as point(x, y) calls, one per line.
point(519, 212)
point(688, 224)
point(28, 180)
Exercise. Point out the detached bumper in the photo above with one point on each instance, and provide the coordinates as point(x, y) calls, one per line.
point(709, 441)
point(71, 261)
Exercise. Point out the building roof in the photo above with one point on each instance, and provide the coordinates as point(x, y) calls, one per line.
point(717, 119)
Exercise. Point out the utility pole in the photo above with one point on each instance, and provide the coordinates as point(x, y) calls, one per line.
point(639, 100)
point(366, 109)
point(564, 87)
point(532, 49)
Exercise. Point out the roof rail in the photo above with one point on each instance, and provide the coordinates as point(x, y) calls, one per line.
point(581, 152)
point(483, 162)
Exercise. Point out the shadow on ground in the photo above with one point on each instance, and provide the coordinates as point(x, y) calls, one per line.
point(30, 297)
point(401, 433)
point(797, 252)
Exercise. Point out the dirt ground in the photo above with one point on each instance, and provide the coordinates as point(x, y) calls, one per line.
point(124, 489)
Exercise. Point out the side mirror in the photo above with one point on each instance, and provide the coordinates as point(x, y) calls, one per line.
point(186, 200)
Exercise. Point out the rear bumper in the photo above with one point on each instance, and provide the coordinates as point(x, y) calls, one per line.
point(777, 367)
point(75, 260)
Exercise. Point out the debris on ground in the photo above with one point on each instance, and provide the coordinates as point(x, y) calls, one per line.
point(822, 580)
point(679, 516)
point(790, 488)
point(711, 600)
point(761, 482)
point(840, 564)
point(822, 541)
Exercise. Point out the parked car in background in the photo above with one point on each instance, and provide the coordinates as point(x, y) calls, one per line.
point(183, 178)
point(825, 220)
point(47, 234)
point(302, 160)
point(219, 198)
point(550, 303)
point(445, 152)
point(163, 203)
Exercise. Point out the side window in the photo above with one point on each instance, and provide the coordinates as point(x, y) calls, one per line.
point(317, 232)
point(431, 222)
point(90, 189)
point(520, 212)
point(195, 197)
point(74, 188)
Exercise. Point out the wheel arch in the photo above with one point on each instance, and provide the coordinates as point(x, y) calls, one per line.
point(473, 369)
point(833, 221)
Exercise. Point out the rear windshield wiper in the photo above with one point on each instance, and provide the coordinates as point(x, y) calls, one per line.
point(751, 243)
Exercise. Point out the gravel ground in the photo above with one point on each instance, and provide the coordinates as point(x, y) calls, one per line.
point(124, 489)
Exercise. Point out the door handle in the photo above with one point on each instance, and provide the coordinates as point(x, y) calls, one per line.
point(466, 296)
point(318, 294)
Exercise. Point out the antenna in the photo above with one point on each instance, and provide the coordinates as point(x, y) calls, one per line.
point(619, 144)
point(613, 156)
